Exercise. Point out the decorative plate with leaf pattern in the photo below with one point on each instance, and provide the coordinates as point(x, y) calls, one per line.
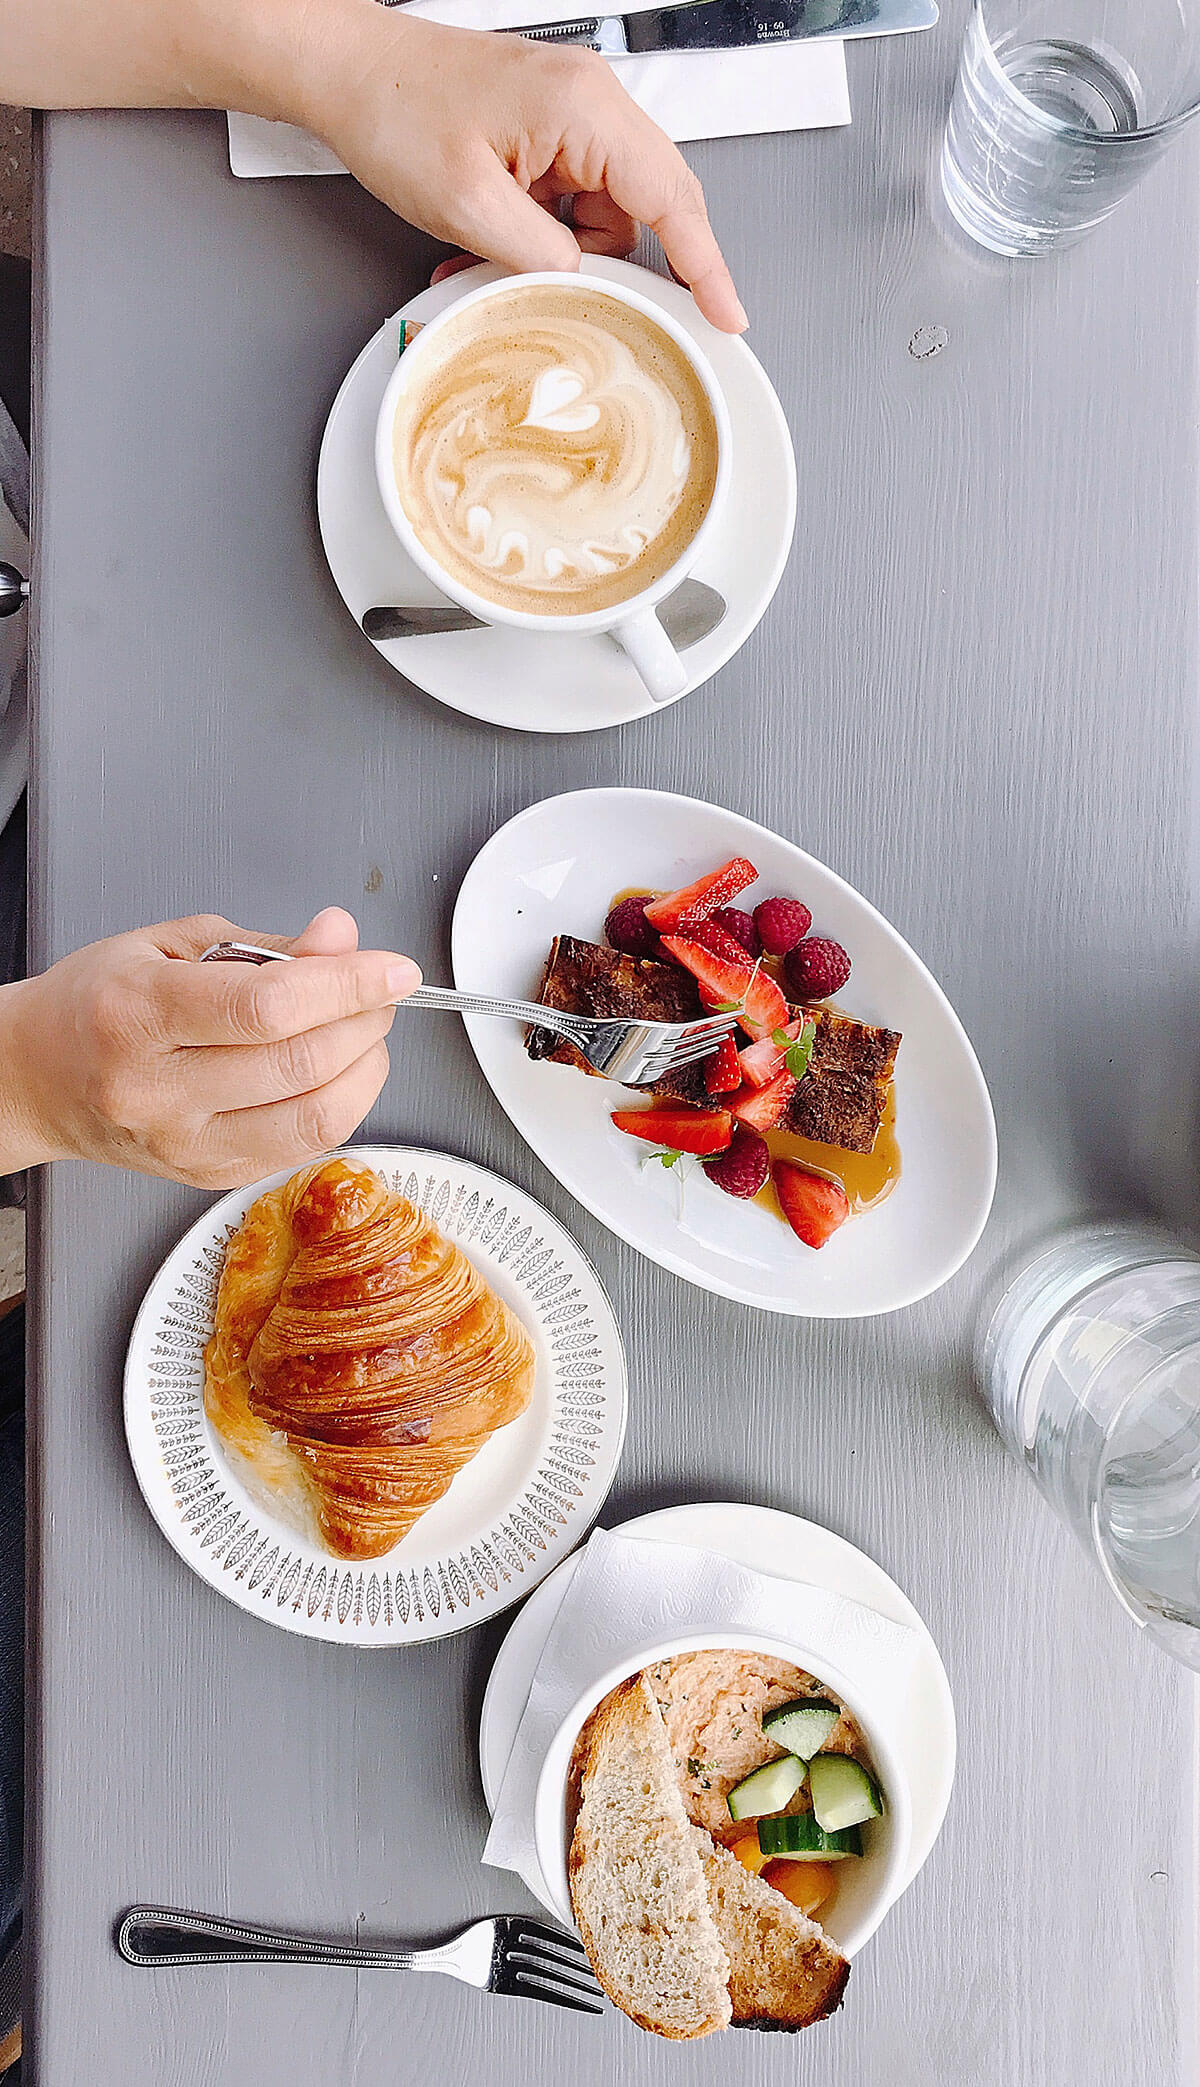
point(511, 1514)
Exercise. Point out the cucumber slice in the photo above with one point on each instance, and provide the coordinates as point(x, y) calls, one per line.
point(803, 1726)
point(800, 1834)
point(768, 1789)
point(843, 1794)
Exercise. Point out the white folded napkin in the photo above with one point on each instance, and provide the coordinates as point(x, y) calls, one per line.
point(691, 94)
point(627, 1595)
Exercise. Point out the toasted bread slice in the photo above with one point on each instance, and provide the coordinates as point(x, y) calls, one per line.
point(784, 1972)
point(588, 978)
point(637, 1878)
point(839, 1102)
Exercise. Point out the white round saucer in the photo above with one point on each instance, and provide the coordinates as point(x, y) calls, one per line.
point(768, 1541)
point(522, 680)
point(511, 1514)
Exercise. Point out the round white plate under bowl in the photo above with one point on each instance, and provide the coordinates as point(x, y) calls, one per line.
point(556, 684)
point(921, 1725)
point(510, 1515)
point(553, 870)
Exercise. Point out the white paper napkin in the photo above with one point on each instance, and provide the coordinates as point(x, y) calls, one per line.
point(627, 1595)
point(691, 94)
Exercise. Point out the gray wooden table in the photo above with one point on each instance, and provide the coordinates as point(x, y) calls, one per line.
point(975, 696)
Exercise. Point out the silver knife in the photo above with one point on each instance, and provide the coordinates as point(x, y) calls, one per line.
point(692, 612)
point(719, 25)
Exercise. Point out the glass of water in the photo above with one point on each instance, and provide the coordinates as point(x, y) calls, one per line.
point(1091, 1366)
point(1059, 108)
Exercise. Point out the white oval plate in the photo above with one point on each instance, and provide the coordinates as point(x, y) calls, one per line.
point(768, 1541)
point(556, 684)
point(511, 1514)
point(554, 870)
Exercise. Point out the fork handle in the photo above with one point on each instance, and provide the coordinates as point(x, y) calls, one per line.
point(157, 1935)
point(485, 1004)
point(421, 996)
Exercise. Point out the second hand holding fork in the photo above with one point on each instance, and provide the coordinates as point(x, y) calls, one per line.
point(637, 1054)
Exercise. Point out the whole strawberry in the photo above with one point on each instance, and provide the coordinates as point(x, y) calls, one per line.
point(816, 969)
point(781, 923)
point(744, 1168)
point(738, 924)
point(628, 930)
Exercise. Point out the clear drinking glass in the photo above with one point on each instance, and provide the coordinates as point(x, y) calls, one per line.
point(1059, 108)
point(1091, 1366)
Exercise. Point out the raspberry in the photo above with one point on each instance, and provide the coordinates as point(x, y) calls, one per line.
point(742, 1170)
point(816, 969)
point(628, 930)
point(781, 923)
point(740, 925)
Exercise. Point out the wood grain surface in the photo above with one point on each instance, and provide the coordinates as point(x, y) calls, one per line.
point(974, 696)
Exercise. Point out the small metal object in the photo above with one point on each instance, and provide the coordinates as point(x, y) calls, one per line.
point(505, 1953)
point(692, 612)
point(14, 590)
point(722, 25)
point(637, 1054)
point(242, 953)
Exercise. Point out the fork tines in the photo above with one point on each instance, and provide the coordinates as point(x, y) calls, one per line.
point(698, 1040)
point(544, 1963)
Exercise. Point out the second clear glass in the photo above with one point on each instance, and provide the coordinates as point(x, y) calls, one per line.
point(1091, 1365)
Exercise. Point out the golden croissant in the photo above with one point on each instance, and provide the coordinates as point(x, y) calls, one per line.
point(358, 1359)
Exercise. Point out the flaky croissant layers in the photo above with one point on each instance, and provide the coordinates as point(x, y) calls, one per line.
point(358, 1358)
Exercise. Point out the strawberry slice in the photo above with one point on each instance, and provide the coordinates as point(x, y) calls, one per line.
point(813, 1205)
point(724, 982)
point(762, 1107)
point(678, 1130)
point(711, 935)
point(722, 1073)
point(682, 909)
point(761, 1061)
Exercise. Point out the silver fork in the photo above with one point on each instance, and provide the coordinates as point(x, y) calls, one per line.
point(506, 1953)
point(636, 1053)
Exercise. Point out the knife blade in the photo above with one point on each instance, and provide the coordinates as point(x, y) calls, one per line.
point(720, 25)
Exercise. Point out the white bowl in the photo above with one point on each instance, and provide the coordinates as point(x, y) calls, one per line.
point(551, 871)
point(865, 1889)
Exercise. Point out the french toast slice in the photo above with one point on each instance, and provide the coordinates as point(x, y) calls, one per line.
point(589, 978)
point(841, 1099)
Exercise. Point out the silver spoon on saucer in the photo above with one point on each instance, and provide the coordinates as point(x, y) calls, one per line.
point(692, 612)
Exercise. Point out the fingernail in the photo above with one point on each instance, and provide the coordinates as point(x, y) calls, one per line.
point(402, 977)
point(742, 316)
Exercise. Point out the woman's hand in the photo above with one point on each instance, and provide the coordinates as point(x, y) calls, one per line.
point(475, 138)
point(132, 1052)
point(478, 139)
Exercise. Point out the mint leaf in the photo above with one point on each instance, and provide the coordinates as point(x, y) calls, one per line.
point(728, 1007)
point(666, 1158)
point(798, 1054)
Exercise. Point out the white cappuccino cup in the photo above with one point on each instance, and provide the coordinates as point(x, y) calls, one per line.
point(630, 620)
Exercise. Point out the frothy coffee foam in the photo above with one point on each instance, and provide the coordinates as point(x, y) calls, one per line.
point(560, 453)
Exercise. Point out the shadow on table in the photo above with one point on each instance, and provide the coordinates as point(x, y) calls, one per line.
point(1133, 1097)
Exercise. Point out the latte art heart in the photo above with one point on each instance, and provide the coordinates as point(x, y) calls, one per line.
point(558, 453)
point(553, 404)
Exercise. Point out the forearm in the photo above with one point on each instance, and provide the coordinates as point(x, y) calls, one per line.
point(25, 1141)
point(266, 56)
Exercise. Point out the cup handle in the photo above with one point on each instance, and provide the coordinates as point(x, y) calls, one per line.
point(644, 639)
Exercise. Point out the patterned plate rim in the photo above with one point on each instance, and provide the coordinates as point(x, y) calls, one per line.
point(271, 1572)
